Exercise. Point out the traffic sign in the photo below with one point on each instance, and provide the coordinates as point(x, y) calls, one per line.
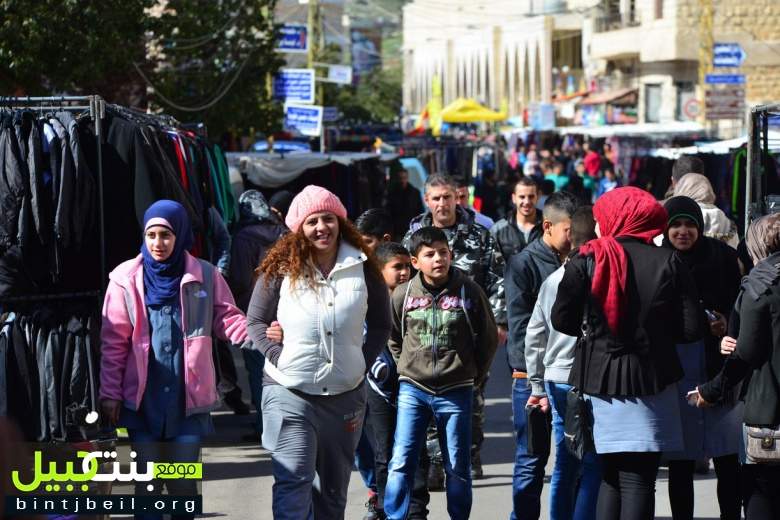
point(691, 108)
point(341, 74)
point(728, 55)
point(295, 86)
point(305, 119)
point(725, 79)
point(293, 37)
point(330, 114)
point(725, 103)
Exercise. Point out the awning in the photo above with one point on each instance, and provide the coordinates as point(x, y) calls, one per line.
point(464, 110)
point(623, 96)
point(272, 170)
point(639, 129)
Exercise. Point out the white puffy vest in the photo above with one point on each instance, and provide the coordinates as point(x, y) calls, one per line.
point(323, 329)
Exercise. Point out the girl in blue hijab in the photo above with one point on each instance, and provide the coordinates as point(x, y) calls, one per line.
point(157, 371)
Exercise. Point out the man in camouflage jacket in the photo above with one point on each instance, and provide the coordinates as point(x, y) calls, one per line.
point(474, 252)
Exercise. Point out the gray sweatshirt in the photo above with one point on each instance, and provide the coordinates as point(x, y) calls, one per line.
point(549, 354)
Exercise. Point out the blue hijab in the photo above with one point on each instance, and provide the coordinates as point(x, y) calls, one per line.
point(162, 279)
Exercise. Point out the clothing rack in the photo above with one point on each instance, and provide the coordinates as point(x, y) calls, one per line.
point(51, 297)
point(97, 111)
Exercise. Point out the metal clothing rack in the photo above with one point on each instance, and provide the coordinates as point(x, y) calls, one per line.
point(96, 106)
point(757, 149)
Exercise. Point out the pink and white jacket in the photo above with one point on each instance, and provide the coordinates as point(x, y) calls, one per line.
point(206, 306)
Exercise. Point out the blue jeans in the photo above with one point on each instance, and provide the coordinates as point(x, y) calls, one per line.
point(567, 499)
point(452, 412)
point(150, 448)
point(528, 477)
point(254, 362)
point(364, 456)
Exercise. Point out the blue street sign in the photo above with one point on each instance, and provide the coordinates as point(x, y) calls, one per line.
point(295, 85)
point(728, 55)
point(306, 119)
point(725, 79)
point(293, 37)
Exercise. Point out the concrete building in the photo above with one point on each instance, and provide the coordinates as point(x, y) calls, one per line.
point(638, 58)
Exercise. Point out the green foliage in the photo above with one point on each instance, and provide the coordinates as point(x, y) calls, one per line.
point(219, 56)
point(377, 99)
point(68, 46)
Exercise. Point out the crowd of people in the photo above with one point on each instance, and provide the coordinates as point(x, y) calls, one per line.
point(370, 353)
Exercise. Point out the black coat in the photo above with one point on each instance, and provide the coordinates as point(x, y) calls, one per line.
point(510, 239)
point(522, 281)
point(661, 310)
point(249, 247)
point(758, 350)
point(403, 204)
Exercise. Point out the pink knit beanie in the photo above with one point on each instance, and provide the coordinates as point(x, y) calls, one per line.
point(313, 199)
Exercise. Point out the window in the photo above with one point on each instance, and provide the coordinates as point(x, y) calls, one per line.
point(652, 103)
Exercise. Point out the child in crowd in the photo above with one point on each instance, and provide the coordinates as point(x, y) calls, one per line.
point(609, 182)
point(437, 317)
point(376, 226)
point(383, 376)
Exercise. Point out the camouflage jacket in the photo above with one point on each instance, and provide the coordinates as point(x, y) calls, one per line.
point(475, 252)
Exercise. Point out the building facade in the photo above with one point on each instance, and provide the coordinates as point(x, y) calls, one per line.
point(639, 60)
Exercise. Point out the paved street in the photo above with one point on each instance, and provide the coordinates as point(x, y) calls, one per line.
point(238, 475)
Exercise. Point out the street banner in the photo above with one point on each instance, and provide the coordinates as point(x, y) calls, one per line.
point(293, 37)
point(304, 119)
point(295, 86)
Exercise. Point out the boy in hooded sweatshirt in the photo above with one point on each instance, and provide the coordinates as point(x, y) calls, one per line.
point(437, 317)
point(524, 276)
point(549, 356)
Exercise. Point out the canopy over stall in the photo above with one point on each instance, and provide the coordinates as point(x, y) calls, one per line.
point(464, 110)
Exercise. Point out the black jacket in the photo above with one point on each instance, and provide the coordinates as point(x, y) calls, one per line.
point(250, 245)
point(509, 238)
point(758, 350)
point(12, 190)
point(403, 204)
point(524, 276)
point(661, 310)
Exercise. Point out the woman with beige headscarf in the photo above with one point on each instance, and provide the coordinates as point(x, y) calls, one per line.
point(757, 354)
point(716, 224)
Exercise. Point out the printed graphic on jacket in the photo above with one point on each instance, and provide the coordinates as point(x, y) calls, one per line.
point(436, 325)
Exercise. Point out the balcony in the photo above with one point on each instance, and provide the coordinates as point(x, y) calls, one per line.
point(615, 22)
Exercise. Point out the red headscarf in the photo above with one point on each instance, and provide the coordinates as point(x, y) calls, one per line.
point(623, 212)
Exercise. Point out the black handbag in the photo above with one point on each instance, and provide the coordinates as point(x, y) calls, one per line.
point(577, 424)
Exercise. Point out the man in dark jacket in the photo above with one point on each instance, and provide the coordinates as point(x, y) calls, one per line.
point(258, 229)
point(522, 225)
point(404, 202)
point(475, 253)
point(524, 276)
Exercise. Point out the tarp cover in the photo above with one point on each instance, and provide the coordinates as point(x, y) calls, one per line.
point(464, 110)
point(272, 170)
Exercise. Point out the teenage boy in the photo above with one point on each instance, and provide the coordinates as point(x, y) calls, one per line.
point(437, 318)
point(376, 226)
point(524, 277)
point(549, 356)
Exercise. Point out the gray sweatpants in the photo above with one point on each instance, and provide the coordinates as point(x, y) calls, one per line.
point(312, 440)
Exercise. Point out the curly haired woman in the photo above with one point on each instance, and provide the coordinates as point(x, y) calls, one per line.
point(323, 287)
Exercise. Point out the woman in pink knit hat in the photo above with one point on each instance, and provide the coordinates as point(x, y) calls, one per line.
point(323, 287)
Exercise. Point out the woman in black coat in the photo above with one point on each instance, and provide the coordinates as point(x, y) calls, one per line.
point(757, 356)
point(639, 302)
point(712, 433)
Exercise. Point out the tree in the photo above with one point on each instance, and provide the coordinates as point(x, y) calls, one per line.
point(66, 46)
point(376, 99)
point(212, 61)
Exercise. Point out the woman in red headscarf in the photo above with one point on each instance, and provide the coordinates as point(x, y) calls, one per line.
point(630, 303)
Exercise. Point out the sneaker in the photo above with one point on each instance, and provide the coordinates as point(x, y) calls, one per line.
point(436, 477)
point(476, 467)
point(372, 513)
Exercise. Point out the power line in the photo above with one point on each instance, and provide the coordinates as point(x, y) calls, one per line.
point(200, 108)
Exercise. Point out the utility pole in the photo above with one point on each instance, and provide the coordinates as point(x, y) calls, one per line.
point(316, 41)
point(705, 55)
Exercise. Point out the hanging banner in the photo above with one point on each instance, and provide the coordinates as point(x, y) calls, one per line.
point(293, 37)
point(304, 119)
point(435, 106)
point(295, 86)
